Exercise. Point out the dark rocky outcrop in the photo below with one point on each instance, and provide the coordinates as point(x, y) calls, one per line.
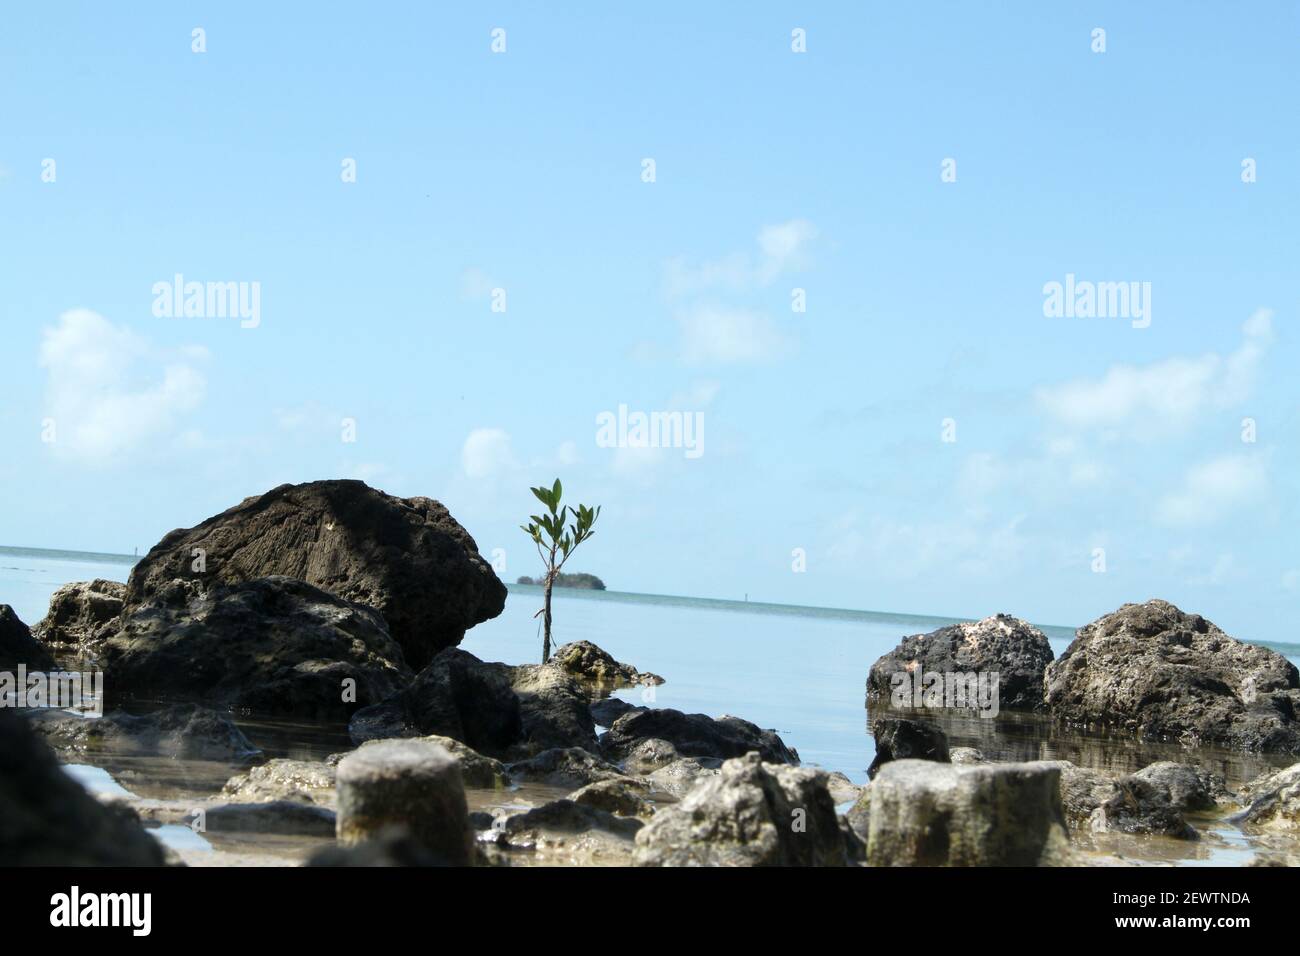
point(694, 735)
point(565, 767)
point(751, 814)
point(922, 813)
point(606, 711)
point(273, 646)
point(629, 797)
point(407, 558)
point(1083, 790)
point(48, 819)
point(898, 738)
point(1017, 651)
point(597, 669)
point(1139, 806)
point(177, 732)
point(554, 707)
point(79, 611)
point(1152, 670)
point(17, 646)
point(1190, 789)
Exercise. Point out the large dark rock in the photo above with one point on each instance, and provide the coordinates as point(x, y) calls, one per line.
point(898, 738)
point(1017, 651)
point(1152, 670)
point(48, 819)
point(406, 557)
point(274, 646)
point(751, 814)
point(17, 646)
point(565, 767)
point(456, 695)
point(178, 732)
point(79, 611)
point(694, 735)
point(554, 706)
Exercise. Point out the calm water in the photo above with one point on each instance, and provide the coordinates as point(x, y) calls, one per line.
point(799, 671)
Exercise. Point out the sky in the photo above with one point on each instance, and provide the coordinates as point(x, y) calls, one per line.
point(475, 230)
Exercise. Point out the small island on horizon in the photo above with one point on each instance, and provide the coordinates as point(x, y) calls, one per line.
point(587, 582)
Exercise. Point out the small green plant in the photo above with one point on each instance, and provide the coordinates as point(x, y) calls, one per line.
point(555, 544)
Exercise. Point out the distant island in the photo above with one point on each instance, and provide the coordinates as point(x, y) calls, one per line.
point(588, 582)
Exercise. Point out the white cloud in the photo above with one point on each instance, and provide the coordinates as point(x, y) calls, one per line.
point(487, 452)
point(1147, 399)
point(720, 334)
point(1213, 489)
point(109, 390)
point(782, 248)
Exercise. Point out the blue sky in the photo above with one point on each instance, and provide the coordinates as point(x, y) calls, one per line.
point(774, 170)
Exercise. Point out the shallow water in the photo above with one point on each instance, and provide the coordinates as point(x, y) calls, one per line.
point(799, 671)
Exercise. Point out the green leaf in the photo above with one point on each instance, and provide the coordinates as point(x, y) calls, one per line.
point(555, 491)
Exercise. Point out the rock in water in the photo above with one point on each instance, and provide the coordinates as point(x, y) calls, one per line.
point(79, 611)
point(1275, 801)
point(1155, 671)
point(274, 646)
point(1139, 806)
point(597, 668)
point(407, 558)
point(17, 646)
point(923, 813)
point(178, 732)
point(1017, 651)
point(898, 738)
point(1189, 788)
point(694, 735)
point(407, 783)
point(751, 814)
point(48, 819)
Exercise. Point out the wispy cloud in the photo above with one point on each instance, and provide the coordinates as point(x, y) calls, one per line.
point(1213, 489)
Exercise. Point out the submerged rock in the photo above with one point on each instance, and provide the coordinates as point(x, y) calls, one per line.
point(898, 738)
point(407, 558)
point(1016, 650)
point(752, 814)
point(177, 732)
point(407, 783)
point(597, 668)
point(48, 819)
point(1139, 806)
point(922, 813)
point(1152, 670)
point(1275, 801)
point(17, 646)
point(694, 735)
point(273, 646)
point(80, 611)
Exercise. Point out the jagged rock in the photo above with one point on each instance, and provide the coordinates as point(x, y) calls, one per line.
point(597, 669)
point(1152, 670)
point(178, 732)
point(456, 695)
point(48, 819)
point(923, 813)
point(408, 783)
point(694, 735)
point(898, 738)
point(605, 712)
point(1190, 788)
point(1017, 651)
point(282, 779)
point(649, 755)
point(79, 611)
point(1139, 806)
point(407, 558)
point(272, 646)
point(751, 814)
point(680, 777)
point(1275, 801)
point(565, 767)
point(17, 646)
point(628, 797)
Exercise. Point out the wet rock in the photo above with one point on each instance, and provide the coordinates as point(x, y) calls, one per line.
point(1017, 651)
point(456, 695)
point(406, 783)
point(566, 816)
point(476, 771)
point(48, 819)
point(1152, 670)
point(628, 797)
point(898, 738)
point(392, 846)
point(923, 813)
point(1275, 801)
point(751, 814)
point(680, 777)
point(597, 669)
point(272, 646)
point(1138, 806)
point(298, 781)
point(566, 832)
point(281, 817)
point(178, 732)
point(1189, 788)
point(79, 611)
point(649, 755)
point(605, 712)
point(407, 558)
point(565, 767)
point(1082, 791)
point(966, 755)
point(554, 708)
point(694, 735)
point(17, 646)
